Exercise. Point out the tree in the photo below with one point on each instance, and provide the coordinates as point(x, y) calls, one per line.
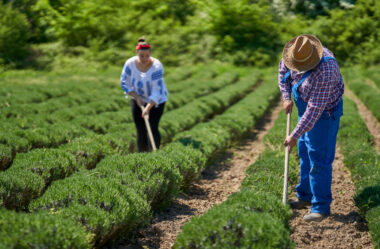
point(14, 34)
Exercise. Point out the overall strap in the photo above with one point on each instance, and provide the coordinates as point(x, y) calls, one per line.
point(326, 58)
point(295, 87)
point(286, 76)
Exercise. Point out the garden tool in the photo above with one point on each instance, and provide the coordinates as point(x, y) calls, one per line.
point(285, 192)
point(146, 119)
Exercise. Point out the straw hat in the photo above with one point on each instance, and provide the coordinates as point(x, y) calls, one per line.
point(302, 53)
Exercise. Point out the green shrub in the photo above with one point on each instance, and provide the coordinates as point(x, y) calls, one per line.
point(208, 137)
point(205, 107)
point(40, 230)
point(88, 150)
point(122, 139)
point(6, 156)
point(19, 187)
point(245, 227)
point(65, 132)
point(18, 144)
point(189, 161)
point(103, 205)
point(50, 164)
point(202, 88)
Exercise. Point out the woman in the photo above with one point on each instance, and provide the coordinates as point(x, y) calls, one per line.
point(142, 78)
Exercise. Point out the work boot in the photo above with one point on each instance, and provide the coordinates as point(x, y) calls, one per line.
point(314, 217)
point(299, 204)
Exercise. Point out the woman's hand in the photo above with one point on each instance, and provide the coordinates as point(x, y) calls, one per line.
point(145, 112)
point(291, 142)
point(147, 108)
point(288, 106)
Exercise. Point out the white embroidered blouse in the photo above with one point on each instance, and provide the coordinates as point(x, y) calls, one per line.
point(149, 85)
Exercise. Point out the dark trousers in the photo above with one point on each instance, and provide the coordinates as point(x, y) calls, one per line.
point(143, 142)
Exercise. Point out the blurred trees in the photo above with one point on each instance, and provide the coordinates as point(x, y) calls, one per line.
point(310, 8)
point(353, 35)
point(245, 32)
point(14, 35)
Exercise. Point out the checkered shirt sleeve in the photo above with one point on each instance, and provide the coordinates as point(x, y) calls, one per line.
point(285, 88)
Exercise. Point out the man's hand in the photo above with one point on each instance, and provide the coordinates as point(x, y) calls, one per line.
point(288, 106)
point(291, 142)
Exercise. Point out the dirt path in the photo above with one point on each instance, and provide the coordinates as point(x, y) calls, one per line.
point(217, 182)
point(344, 228)
point(370, 120)
point(371, 83)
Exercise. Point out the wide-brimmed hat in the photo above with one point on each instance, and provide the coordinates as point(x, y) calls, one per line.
point(302, 53)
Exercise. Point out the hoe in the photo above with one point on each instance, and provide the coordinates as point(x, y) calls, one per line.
point(285, 192)
point(146, 119)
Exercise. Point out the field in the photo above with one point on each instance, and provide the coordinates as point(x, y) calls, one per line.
point(71, 178)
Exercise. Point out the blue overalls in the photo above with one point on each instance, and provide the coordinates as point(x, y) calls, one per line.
point(316, 149)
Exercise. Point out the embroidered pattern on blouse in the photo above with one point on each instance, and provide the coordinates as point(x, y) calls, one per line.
point(133, 82)
point(128, 71)
point(148, 88)
point(160, 85)
point(156, 75)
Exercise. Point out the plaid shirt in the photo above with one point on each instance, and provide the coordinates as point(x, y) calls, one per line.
point(321, 90)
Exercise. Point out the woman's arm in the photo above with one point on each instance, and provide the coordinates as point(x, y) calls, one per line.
point(138, 99)
point(125, 82)
point(125, 78)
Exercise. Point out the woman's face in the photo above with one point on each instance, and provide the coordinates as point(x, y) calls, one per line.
point(144, 56)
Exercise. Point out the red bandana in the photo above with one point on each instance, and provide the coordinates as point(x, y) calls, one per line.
point(142, 46)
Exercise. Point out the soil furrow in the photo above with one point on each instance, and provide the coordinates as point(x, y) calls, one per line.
point(344, 228)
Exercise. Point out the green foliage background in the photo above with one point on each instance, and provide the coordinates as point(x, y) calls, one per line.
point(49, 34)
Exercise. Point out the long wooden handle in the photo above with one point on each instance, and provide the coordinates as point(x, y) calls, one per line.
point(285, 192)
point(146, 119)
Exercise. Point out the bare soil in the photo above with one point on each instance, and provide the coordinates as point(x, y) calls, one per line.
point(344, 228)
point(217, 182)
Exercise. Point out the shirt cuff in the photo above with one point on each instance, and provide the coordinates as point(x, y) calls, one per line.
point(286, 96)
point(154, 99)
point(297, 133)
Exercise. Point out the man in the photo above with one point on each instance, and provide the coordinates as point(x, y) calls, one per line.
point(310, 72)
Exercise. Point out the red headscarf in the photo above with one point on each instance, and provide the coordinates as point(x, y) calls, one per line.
point(142, 46)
